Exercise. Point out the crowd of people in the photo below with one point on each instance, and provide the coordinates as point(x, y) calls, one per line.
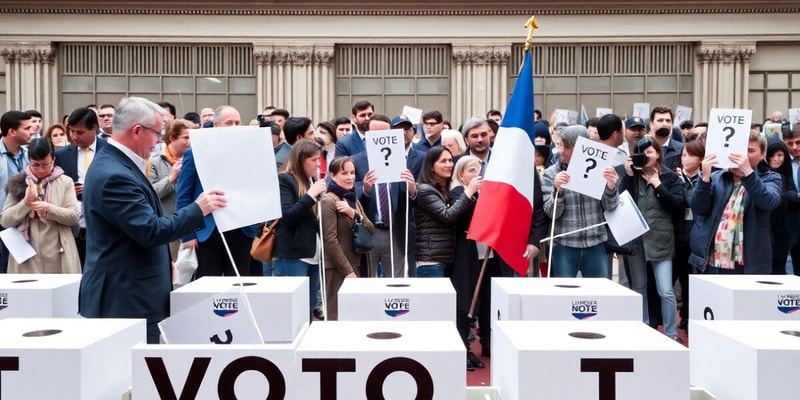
point(113, 192)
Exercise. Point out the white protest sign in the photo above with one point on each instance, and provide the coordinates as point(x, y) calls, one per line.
point(626, 221)
point(641, 110)
point(240, 161)
point(773, 129)
point(386, 154)
point(589, 160)
point(584, 116)
point(413, 114)
point(19, 248)
point(600, 112)
point(728, 132)
point(224, 318)
point(682, 113)
point(794, 116)
point(568, 116)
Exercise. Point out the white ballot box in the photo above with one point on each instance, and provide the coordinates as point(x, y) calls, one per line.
point(355, 360)
point(744, 297)
point(563, 299)
point(280, 304)
point(39, 295)
point(621, 360)
point(746, 360)
point(67, 358)
point(398, 299)
point(211, 371)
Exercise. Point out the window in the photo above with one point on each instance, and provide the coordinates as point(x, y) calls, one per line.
point(189, 76)
point(773, 91)
point(392, 77)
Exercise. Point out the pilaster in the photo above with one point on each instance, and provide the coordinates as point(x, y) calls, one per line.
point(480, 79)
point(721, 77)
point(30, 77)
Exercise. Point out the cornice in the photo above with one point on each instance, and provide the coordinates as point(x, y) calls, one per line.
point(398, 12)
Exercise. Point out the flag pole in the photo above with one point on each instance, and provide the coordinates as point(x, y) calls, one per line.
point(391, 228)
point(322, 284)
point(478, 284)
point(547, 239)
point(405, 235)
point(552, 231)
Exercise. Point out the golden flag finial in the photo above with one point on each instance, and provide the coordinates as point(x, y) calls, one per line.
point(531, 25)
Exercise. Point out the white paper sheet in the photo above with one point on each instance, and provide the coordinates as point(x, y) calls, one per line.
point(568, 116)
point(728, 132)
point(682, 113)
point(641, 110)
point(589, 160)
point(794, 116)
point(600, 112)
point(221, 319)
point(413, 114)
point(386, 154)
point(17, 246)
point(626, 221)
point(240, 161)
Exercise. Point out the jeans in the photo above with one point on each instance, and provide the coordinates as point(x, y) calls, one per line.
point(592, 262)
point(295, 267)
point(267, 269)
point(664, 284)
point(431, 271)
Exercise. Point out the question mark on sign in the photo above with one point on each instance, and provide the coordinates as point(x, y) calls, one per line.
point(728, 136)
point(388, 153)
point(591, 167)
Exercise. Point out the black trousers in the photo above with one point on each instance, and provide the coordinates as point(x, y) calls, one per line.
point(213, 260)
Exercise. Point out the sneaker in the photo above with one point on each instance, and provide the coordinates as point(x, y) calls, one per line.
point(474, 360)
point(318, 314)
point(470, 367)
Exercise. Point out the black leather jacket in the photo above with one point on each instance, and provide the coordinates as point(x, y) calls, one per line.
point(435, 224)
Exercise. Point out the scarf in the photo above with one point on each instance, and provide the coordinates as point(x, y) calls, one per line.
point(728, 250)
point(348, 195)
point(167, 155)
point(42, 185)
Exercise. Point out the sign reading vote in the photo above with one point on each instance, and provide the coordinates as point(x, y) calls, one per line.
point(224, 318)
point(589, 160)
point(728, 132)
point(386, 153)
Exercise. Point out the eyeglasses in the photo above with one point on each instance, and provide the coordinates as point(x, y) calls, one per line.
point(157, 132)
point(41, 167)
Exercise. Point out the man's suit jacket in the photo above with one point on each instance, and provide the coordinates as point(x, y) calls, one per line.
point(350, 145)
point(67, 158)
point(671, 154)
point(397, 194)
point(127, 273)
point(189, 189)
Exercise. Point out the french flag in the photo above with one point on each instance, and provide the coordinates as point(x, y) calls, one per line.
point(502, 218)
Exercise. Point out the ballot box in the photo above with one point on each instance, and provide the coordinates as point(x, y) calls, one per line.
point(213, 371)
point(746, 360)
point(554, 360)
point(563, 299)
point(397, 299)
point(744, 297)
point(357, 360)
point(67, 358)
point(39, 295)
point(280, 304)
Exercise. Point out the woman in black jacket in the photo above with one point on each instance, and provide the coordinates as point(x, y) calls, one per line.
point(780, 161)
point(297, 242)
point(435, 217)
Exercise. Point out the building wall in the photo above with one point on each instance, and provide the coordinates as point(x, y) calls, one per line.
point(296, 57)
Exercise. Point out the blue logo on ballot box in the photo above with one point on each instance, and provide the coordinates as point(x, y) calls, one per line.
point(226, 306)
point(397, 307)
point(788, 303)
point(584, 309)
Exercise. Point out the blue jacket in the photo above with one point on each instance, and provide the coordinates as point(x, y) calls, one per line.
point(762, 194)
point(350, 145)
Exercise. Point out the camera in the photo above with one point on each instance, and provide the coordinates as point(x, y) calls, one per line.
point(639, 160)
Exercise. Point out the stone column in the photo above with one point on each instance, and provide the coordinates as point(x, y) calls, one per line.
point(297, 78)
point(722, 76)
point(480, 79)
point(31, 78)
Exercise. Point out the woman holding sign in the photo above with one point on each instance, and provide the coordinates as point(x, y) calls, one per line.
point(732, 211)
point(660, 196)
point(340, 211)
point(297, 242)
point(435, 215)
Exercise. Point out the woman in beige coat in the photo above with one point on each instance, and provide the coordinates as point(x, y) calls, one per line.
point(42, 206)
point(340, 210)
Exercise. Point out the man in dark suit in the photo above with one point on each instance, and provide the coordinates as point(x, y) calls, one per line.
point(128, 269)
point(354, 143)
point(396, 195)
point(212, 257)
point(791, 138)
point(76, 157)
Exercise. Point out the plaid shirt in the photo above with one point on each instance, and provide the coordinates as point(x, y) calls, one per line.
point(575, 211)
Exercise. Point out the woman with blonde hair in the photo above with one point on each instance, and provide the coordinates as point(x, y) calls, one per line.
point(453, 140)
point(297, 244)
point(340, 211)
point(42, 206)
